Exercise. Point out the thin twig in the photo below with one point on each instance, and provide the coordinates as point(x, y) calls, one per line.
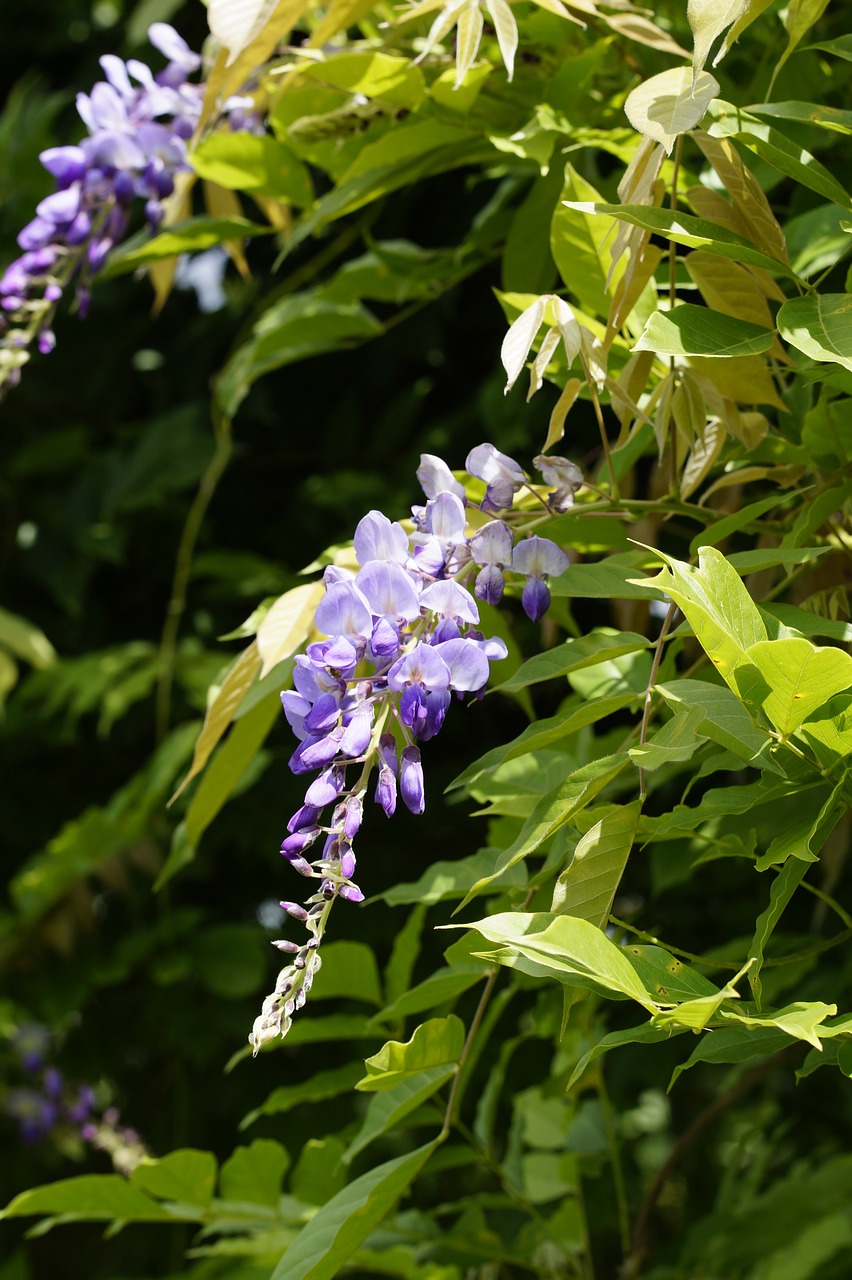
point(183, 567)
point(633, 1265)
point(652, 680)
point(472, 1030)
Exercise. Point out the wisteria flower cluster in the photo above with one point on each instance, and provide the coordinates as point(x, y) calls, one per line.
point(138, 126)
point(49, 1106)
point(401, 638)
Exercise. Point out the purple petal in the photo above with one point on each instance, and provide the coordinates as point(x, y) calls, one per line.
point(343, 611)
point(445, 517)
point(489, 584)
point(467, 663)
point(535, 599)
point(65, 164)
point(492, 544)
point(450, 600)
point(436, 477)
point(539, 557)
point(389, 590)
point(356, 738)
point(377, 539)
point(411, 780)
point(423, 666)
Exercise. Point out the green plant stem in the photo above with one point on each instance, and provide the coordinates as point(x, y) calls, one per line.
point(616, 1164)
point(449, 1114)
point(652, 680)
point(183, 566)
point(601, 428)
point(675, 951)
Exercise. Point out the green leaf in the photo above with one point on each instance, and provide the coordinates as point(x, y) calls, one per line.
point(95, 1197)
point(387, 1109)
point(776, 149)
point(800, 1021)
point(435, 1043)
point(841, 47)
point(708, 19)
point(668, 979)
point(610, 579)
point(543, 733)
point(723, 719)
point(320, 1172)
point(185, 1176)
point(586, 889)
point(554, 811)
point(374, 75)
point(678, 739)
point(577, 245)
point(443, 880)
point(348, 969)
point(695, 233)
point(822, 116)
point(440, 987)
point(829, 734)
point(404, 953)
point(317, 1088)
point(723, 617)
point(573, 655)
point(645, 1033)
point(566, 945)
point(192, 235)
point(827, 433)
point(801, 677)
point(815, 817)
point(254, 163)
point(330, 1239)
point(784, 886)
point(25, 640)
point(689, 330)
point(820, 326)
point(670, 103)
point(734, 1045)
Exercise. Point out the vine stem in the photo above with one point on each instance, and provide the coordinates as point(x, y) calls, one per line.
point(633, 1265)
point(652, 680)
point(449, 1114)
point(183, 566)
point(614, 495)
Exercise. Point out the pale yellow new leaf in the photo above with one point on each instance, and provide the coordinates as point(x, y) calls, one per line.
point(468, 38)
point(556, 426)
point(222, 708)
point(287, 624)
point(542, 360)
point(670, 104)
point(755, 212)
point(519, 339)
point(507, 32)
point(708, 19)
point(702, 457)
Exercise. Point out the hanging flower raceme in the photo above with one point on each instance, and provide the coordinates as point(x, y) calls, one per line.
point(138, 125)
point(401, 639)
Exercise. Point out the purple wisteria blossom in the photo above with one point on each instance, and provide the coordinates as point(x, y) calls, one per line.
point(138, 126)
point(399, 640)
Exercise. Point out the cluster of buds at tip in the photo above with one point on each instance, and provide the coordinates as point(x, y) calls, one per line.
point(400, 639)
